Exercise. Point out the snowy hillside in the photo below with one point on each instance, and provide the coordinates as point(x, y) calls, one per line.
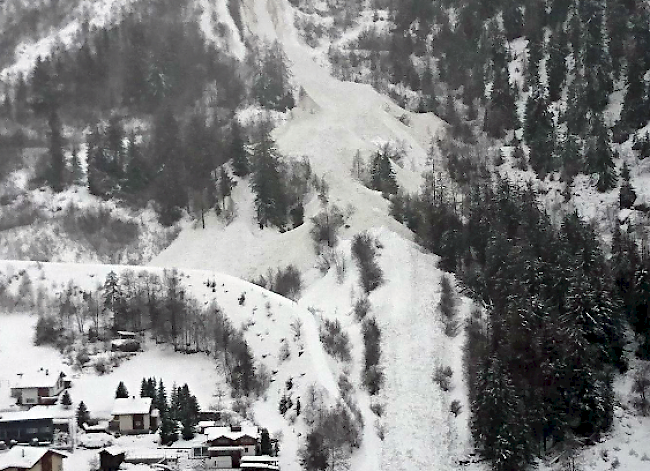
point(266, 318)
point(332, 121)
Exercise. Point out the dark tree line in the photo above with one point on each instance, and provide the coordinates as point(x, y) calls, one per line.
point(471, 82)
point(151, 58)
point(540, 360)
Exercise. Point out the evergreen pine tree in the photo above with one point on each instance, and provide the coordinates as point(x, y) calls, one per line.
point(160, 401)
point(121, 391)
point(56, 174)
point(144, 388)
point(557, 67)
point(382, 177)
point(82, 414)
point(175, 403)
point(265, 443)
point(170, 190)
point(314, 456)
point(65, 399)
point(501, 112)
point(168, 428)
point(599, 157)
point(77, 175)
point(627, 195)
point(238, 151)
point(598, 80)
point(115, 146)
point(513, 20)
point(634, 113)
point(539, 134)
point(225, 186)
point(137, 171)
point(270, 192)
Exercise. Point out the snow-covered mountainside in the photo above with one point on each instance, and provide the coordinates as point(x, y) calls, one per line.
point(331, 122)
point(410, 421)
point(267, 318)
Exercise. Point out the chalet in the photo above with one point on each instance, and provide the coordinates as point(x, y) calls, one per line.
point(39, 387)
point(226, 446)
point(133, 415)
point(21, 458)
point(40, 424)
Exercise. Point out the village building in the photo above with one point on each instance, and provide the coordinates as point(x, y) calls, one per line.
point(133, 415)
point(226, 446)
point(126, 342)
point(22, 458)
point(40, 424)
point(40, 387)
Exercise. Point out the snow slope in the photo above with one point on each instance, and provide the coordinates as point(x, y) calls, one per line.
point(267, 315)
point(336, 120)
point(343, 118)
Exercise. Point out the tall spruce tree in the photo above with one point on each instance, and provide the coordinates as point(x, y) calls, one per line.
point(238, 153)
point(271, 205)
point(56, 173)
point(599, 156)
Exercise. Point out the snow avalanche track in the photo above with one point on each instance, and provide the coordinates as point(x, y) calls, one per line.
point(329, 127)
point(344, 118)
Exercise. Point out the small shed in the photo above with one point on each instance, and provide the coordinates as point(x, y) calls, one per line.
point(110, 459)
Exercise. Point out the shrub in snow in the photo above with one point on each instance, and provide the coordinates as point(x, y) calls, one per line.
point(326, 225)
point(335, 341)
point(442, 376)
point(286, 282)
point(47, 331)
point(447, 307)
point(364, 252)
point(361, 308)
point(285, 353)
point(455, 407)
point(641, 387)
point(373, 377)
point(377, 409)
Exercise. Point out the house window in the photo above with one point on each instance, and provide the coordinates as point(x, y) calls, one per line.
point(200, 451)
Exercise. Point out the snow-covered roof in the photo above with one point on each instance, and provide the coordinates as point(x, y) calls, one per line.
point(24, 457)
point(259, 459)
point(37, 412)
point(126, 333)
point(225, 448)
point(132, 405)
point(213, 433)
point(258, 466)
point(37, 379)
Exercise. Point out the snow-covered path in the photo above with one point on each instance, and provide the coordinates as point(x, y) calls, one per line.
point(413, 345)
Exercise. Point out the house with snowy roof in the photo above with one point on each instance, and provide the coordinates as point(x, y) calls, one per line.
point(226, 446)
point(133, 415)
point(39, 387)
point(21, 458)
point(40, 424)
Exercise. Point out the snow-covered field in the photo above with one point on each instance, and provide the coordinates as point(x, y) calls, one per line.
point(267, 315)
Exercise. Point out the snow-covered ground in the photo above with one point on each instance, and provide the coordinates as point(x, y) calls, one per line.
point(268, 316)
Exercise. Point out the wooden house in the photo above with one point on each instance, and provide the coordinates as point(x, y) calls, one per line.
point(40, 387)
point(133, 415)
point(23, 458)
